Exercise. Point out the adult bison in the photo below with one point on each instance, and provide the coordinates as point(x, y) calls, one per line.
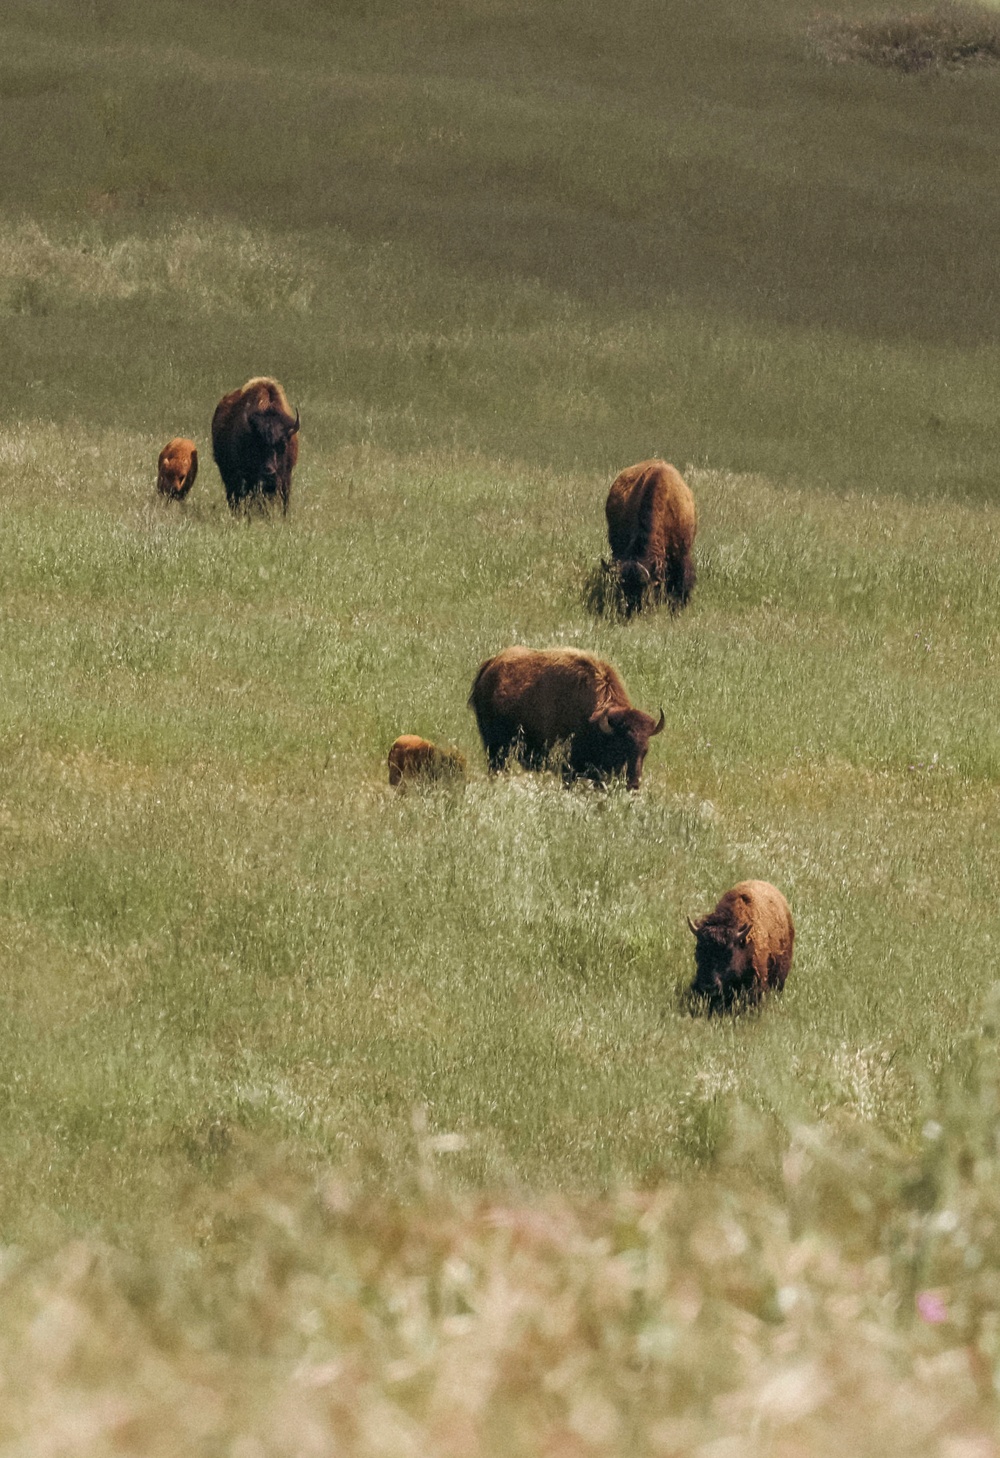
point(255, 441)
point(744, 947)
point(651, 529)
point(177, 468)
point(527, 701)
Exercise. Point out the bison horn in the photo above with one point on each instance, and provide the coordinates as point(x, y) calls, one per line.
point(659, 725)
point(295, 428)
point(604, 724)
point(643, 571)
point(693, 925)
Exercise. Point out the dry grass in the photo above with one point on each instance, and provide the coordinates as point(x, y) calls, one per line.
point(847, 1306)
point(947, 38)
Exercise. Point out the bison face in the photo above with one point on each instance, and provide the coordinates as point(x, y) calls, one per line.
point(174, 481)
point(272, 434)
point(620, 740)
point(723, 960)
point(634, 579)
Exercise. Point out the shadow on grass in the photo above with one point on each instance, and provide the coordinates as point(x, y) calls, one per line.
point(604, 596)
point(947, 38)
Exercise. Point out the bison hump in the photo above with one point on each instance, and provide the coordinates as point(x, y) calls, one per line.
point(650, 512)
point(261, 394)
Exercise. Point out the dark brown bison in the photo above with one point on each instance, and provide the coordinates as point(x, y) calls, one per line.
point(413, 758)
point(743, 947)
point(527, 701)
point(651, 529)
point(255, 442)
point(177, 468)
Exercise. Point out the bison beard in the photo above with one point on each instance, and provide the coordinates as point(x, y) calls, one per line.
point(255, 444)
point(527, 702)
point(744, 947)
point(651, 529)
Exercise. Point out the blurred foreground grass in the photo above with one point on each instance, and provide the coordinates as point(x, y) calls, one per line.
point(848, 1303)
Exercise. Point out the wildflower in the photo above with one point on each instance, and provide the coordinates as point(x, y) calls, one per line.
point(931, 1307)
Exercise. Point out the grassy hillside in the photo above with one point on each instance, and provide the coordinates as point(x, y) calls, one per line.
point(495, 252)
point(556, 235)
point(231, 922)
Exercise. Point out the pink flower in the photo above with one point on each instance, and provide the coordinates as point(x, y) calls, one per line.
point(931, 1307)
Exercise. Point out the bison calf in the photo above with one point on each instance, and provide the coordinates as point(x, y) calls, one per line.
point(177, 468)
point(413, 758)
point(255, 443)
point(527, 701)
point(651, 530)
point(744, 947)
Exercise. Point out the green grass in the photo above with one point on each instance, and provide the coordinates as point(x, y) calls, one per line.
point(231, 921)
point(495, 252)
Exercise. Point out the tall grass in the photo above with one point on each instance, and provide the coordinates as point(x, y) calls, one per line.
point(849, 1304)
point(224, 919)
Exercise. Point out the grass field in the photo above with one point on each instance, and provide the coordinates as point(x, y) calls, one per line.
point(340, 1120)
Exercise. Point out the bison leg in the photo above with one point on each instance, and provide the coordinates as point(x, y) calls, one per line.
point(681, 579)
point(498, 754)
point(777, 971)
point(236, 492)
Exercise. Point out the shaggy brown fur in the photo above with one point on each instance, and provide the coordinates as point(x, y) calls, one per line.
point(651, 529)
point(413, 758)
point(177, 468)
point(744, 947)
point(255, 443)
point(528, 700)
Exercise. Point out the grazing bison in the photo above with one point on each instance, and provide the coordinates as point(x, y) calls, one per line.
point(255, 443)
point(743, 947)
point(413, 758)
point(526, 701)
point(651, 528)
point(177, 468)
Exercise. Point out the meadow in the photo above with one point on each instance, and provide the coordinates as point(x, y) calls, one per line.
point(339, 1120)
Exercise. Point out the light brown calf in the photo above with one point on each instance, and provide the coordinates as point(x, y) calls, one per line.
point(178, 467)
point(413, 758)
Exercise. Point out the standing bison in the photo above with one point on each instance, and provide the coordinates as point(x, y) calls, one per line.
point(651, 529)
point(177, 468)
point(743, 947)
point(527, 701)
point(255, 443)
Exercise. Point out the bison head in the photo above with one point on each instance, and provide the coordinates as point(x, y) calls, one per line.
point(176, 477)
point(634, 579)
point(272, 431)
point(618, 742)
point(723, 957)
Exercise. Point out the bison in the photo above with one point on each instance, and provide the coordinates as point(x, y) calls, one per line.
point(651, 529)
point(255, 443)
point(413, 758)
point(527, 701)
point(744, 947)
point(177, 468)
